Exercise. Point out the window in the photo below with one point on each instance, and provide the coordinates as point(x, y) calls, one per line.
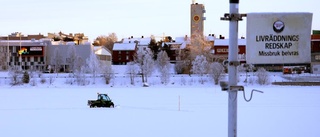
point(119, 52)
point(317, 57)
point(41, 59)
point(127, 57)
point(127, 52)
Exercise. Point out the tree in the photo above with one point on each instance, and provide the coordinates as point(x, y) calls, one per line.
point(14, 73)
point(107, 73)
point(216, 70)
point(164, 66)
point(107, 41)
point(154, 47)
point(3, 59)
point(145, 63)
point(199, 66)
point(132, 71)
point(26, 77)
point(93, 64)
point(56, 60)
point(263, 76)
point(198, 46)
point(72, 56)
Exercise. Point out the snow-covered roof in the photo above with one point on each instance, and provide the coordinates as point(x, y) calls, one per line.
point(124, 46)
point(141, 41)
point(100, 50)
point(182, 39)
point(225, 42)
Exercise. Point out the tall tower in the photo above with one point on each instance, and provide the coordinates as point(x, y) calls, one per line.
point(197, 18)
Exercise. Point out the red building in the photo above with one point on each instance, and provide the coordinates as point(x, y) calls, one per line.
point(123, 53)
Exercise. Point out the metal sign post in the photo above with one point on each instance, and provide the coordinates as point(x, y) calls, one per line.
point(233, 17)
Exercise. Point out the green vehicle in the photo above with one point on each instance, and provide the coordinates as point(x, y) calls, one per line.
point(102, 101)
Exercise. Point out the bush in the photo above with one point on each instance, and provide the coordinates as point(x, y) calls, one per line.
point(263, 76)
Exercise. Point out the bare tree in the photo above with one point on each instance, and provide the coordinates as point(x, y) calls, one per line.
point(57, 60)
point(107, 41)
point(164, 66)
point(145, 63)
point(263, 76)
point(80, 76)
point(93, 64)
point(200, 66)
point(72, 56)
point(216, 71)
point(108, 73)
point(15, 73)
point(79, 63)
point(132, 71)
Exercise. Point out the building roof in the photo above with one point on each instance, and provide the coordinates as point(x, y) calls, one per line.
point(225, 42)
point(124, 46)
point(22, 43)
point(100, 50)
point(141, 41)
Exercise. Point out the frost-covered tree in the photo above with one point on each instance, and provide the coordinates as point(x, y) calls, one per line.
point(246, 68)
point(14, 74)
point(132, 70)
point(56, 60)
point(108, 73)
point(164, 66)
point(72, 56)
point(145, 63)
point(200, 66)
point(80, 76)
point(263, 76)
point(216, 71)
point(79, 63)
point(198, 46)
point(93, 64)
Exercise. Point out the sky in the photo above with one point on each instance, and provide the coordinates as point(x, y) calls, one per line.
point(133, 18)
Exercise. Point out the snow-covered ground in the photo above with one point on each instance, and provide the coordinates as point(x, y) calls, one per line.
point(182, 108)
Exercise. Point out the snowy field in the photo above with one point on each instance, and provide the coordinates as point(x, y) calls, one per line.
point(184, 110)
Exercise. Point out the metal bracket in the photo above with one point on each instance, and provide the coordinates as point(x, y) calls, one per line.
point(233, 17)
point(234, 63)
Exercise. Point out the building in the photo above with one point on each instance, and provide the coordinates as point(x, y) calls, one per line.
point(142, 43)
point(197, 19)
point(60, 52)
point(28, 52)
point(315, 52)
point(221, 50)
point(123, 53)
point(103, 54)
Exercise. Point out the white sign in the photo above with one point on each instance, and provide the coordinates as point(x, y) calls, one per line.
point(278, 38)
